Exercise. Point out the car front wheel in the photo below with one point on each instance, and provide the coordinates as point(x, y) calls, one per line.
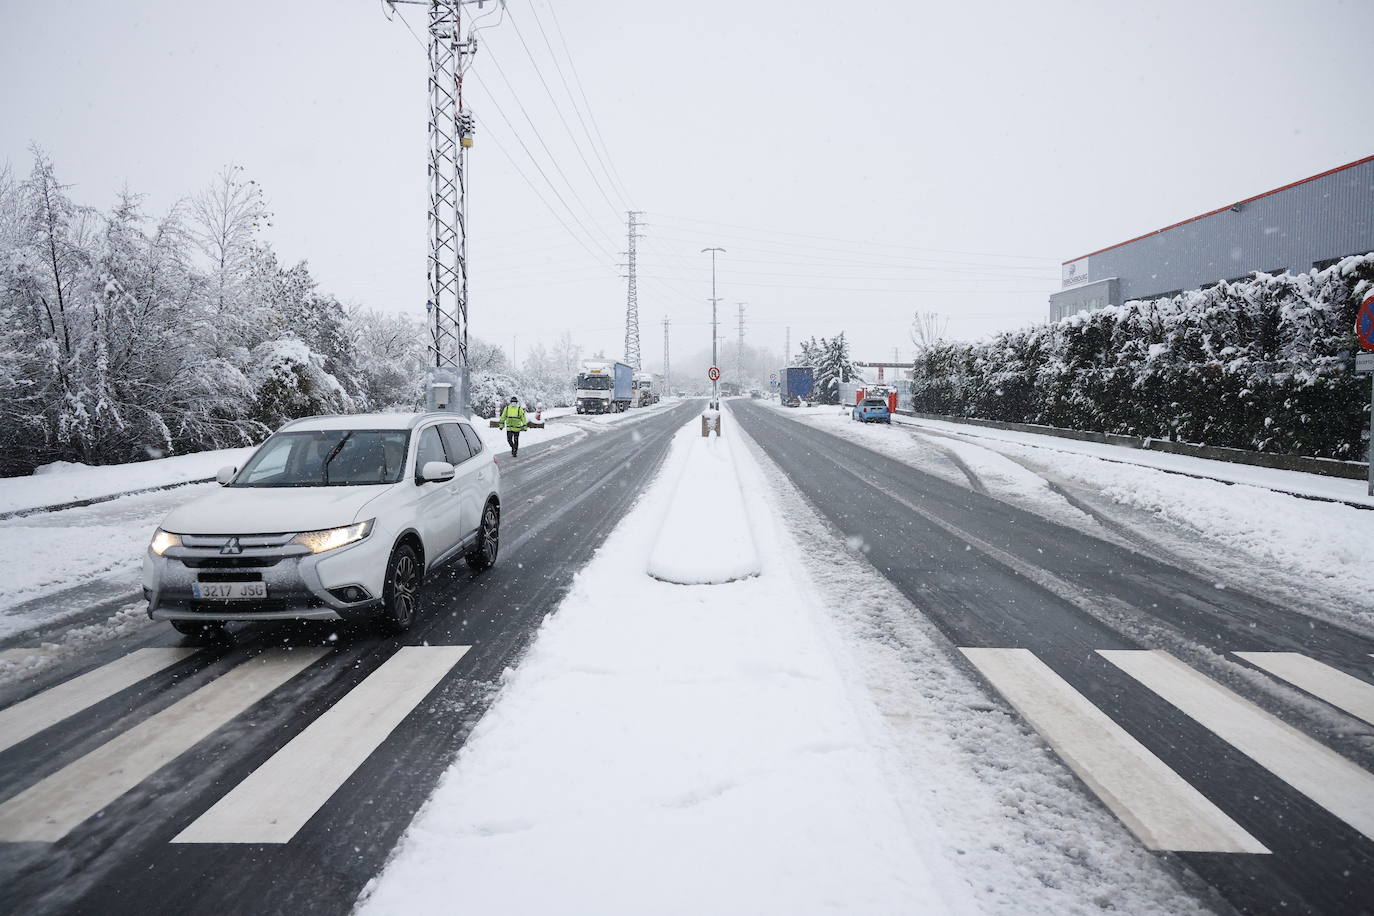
point(401, 594)
point(483, 553)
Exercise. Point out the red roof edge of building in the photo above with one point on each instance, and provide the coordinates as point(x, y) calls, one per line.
point(1193, 219)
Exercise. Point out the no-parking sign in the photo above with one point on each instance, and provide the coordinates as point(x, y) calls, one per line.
point(1364, 323)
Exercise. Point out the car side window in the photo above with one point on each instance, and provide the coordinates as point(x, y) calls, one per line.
point(474, 441)
point(430, 448)
point(454, 443)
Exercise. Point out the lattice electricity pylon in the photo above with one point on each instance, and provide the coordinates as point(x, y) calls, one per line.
point(450, 135)
point(632, 293)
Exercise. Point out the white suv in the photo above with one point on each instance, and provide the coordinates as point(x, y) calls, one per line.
point(332, 518)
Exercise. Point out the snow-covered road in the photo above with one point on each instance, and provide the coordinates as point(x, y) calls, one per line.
point(950, 677)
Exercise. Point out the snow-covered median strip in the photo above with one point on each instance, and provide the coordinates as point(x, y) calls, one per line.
point(705, 537)
point(674, 749)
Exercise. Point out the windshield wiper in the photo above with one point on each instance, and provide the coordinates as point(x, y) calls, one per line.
point(333, 453)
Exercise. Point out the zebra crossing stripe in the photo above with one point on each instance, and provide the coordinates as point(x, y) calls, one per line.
point(277, 798)
point(43, 710)
point(50, 809)
point(1162, 809)
point(1334, 783)
point(1322, 681)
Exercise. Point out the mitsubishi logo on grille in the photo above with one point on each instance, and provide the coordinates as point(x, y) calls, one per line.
point(231, 546)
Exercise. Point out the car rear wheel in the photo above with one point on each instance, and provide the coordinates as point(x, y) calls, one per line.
point(483, 553)
point(401, 593)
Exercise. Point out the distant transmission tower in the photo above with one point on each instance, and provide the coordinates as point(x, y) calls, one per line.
point(667, 366)
point(450, 136)
point(739, 348)
point(632, 293)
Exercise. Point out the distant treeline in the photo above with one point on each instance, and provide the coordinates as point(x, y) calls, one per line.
point(1261, 364)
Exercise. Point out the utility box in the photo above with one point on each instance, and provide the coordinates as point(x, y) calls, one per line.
point(444, 391)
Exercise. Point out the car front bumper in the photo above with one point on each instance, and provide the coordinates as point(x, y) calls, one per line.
point(298, 583)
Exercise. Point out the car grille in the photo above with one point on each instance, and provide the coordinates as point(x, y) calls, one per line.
point(229, 577)
point(230, 562)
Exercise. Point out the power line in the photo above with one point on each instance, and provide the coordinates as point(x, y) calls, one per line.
point(586, 132)
point(572, 189)
point(606, 252)
point(826, 238)
point(770, 246)
point(591, 115)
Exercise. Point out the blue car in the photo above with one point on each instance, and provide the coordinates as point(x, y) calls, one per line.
point(872, 410)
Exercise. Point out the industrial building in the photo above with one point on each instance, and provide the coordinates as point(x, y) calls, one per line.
point(1308, 224)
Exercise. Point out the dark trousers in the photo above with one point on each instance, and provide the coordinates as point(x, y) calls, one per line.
point(513, 440)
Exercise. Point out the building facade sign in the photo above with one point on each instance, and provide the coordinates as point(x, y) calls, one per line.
point(1075, 273)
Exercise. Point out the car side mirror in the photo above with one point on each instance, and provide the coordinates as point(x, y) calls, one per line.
point(436, 472)
point(225, 474)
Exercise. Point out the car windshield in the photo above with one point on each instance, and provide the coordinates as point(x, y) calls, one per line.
point(874, 402)
point(594, 382)
point(327, 458)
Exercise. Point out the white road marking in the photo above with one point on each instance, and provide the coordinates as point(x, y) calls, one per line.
point(1318, 772)
point(1322, 681)
point(50, 809)
point(29, 717)
point(1154, 802)
point(277, 798)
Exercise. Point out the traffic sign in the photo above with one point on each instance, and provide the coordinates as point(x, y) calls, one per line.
point(772, 376)
point(1364, 323)
point(713, 374)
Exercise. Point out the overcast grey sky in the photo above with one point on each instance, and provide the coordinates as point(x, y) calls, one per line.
point(857, 162)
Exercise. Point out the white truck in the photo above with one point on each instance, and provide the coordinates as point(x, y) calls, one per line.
point(645, 391)
point(604, 386)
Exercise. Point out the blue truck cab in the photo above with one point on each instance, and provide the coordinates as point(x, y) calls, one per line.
point(798, 384)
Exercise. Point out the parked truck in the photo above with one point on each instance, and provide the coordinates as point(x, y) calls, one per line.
point(604, 386)
point(798, 384)
point(645, 392)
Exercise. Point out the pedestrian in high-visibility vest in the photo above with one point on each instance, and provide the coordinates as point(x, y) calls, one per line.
point(514, 423)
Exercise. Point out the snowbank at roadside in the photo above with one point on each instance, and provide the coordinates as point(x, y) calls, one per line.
point(74, 482)
point(1312, 541)
point(1269, 478)
point(674, 749)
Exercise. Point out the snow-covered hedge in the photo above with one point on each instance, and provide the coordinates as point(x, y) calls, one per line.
point(1259, 364)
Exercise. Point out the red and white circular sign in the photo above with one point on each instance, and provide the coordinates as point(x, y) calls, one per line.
point(713, 374)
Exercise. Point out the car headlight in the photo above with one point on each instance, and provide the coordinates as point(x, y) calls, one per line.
point(333, 538)
point(162, 540)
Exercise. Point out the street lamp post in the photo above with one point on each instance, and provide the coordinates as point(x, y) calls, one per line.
point(715, 384)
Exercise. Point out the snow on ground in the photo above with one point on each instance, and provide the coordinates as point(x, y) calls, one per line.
point(42, 555)
point(1285, 537)
point(496, 438)
point(625, 416)
point(1269, 478)
point(1009, 816)
point(680, 553)
point(1003, 478)
point(21, 663)
point(72, 482)
point(674, 749)
point(797, 742)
